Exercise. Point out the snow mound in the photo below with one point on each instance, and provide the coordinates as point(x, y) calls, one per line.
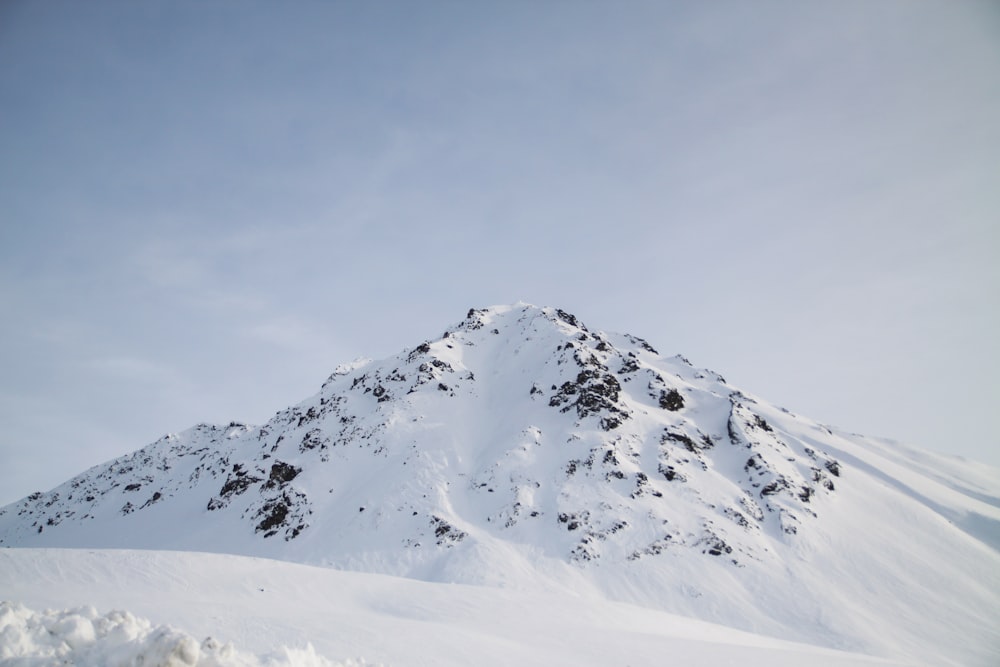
point(83, 637)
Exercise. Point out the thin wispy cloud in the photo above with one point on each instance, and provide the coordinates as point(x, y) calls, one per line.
point(243, 191)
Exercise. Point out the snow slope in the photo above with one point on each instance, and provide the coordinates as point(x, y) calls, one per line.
point(259, 605)
point(525, 451)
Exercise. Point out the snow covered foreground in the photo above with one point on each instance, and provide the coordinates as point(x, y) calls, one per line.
point(82, 636)
point(243, 610)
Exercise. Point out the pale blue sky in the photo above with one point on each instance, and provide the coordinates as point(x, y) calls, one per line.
point(205, 207)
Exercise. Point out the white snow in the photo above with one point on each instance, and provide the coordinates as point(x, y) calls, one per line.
point(84, 637)
point(251, 607)
point(486, 458)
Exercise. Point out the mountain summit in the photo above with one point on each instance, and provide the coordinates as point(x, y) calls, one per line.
point(523, 449)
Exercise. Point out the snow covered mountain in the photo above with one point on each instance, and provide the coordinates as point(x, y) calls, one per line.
point(522, 449)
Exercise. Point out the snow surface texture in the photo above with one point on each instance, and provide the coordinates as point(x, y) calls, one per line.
point(523, 450)
point(259, 604)
point(118, 639)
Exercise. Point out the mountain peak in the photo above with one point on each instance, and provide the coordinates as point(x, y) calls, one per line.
point(509, 396)
point(521, 441)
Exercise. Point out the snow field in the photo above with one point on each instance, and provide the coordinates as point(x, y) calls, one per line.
point(260, 604)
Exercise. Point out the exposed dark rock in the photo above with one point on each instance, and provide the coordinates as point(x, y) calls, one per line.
point(641, 343)
point(423, 348)
point(641, 482)
point(655, 548)
point(629, 365)
point(689, 444)
point(670, 474)
point(610, 423)
point(595, 391)
point(569, 319)
point(738, 517)
point(275, 514)
point(572, 521)
point(309, 416)
point(282, 473)
point(671, 400)
point(314, 439)
point(446, 534)
point(235, 485)
point(473, 319)
point(774, 487)
point(443, 365)
point(285, 512)
point(719, 547)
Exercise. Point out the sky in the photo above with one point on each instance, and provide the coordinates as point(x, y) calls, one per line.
point(205, 207)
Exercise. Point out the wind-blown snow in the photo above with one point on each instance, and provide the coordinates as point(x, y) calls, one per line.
point(86, 638)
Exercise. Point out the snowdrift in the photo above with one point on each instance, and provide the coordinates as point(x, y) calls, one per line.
point(85, 638)
point(257, 605)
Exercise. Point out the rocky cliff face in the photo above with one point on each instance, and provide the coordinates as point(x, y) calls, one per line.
point(522, 441)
